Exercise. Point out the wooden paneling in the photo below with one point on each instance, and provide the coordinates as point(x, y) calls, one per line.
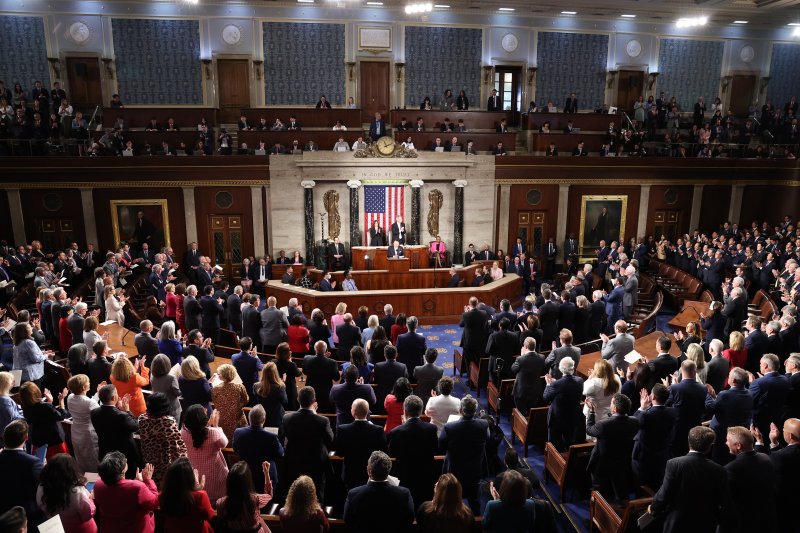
point(716, 202)
point(176, 211)
point(325, 139)
point(374, 80)
point(584, 121)
point(548, 204)
point(629, 88)
point(574, 206)
point(418, 255)
point(186, 118)
point(155, 139)
point(680, 197)
point(206, 199)
point(566, 142)
point(768, 202)
point(307, 117)
point(743, 89)
point(483, 141)
point(64, 207)
point(234, 87)
point(84, 88)
point(473, 120)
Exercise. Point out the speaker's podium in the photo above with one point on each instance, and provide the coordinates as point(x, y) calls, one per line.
point(398, 264)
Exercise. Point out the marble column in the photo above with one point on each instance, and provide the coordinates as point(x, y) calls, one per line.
point(189, 214)
point(256, 194)
point(644, 202)
point(505, 206)
point(355, 234)
point(458, 223)
point(735, 211)
point(697, 205)
point(308, 204)
point(416, 188)
point(561, 216)
point(15, 210)
point(89, 219)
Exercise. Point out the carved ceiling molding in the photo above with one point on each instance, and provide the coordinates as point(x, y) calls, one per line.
point(169, 183)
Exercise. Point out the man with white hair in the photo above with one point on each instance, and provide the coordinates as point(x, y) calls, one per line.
point(254, 445)
point(718, 367)
point(76, 321)
point(735, 308)
point(631, 296)
point(388, 318)
point(792, 366)
point(769, 392)
point(774, 343)
point(192, 309)
point(564, 396)
point(233, 309)
point(617, 348)
point(788, 333)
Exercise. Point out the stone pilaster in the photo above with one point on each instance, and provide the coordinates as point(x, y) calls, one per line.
point(355, 233)
point(308, 204)
point(416, 188)
point(458, 222)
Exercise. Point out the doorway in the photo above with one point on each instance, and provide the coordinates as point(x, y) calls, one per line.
point(667, 223)
point(374, 84)
point(509, 89)
point(234, 88)
point(531, 229)
point(743, 89)
point(55, 233)
point(226, 243)
point(630, 86)
point(85, 86)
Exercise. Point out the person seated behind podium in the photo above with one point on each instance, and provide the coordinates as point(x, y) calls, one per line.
point(293, 125)
point(426, 104)
point(341, 146)
point(502, 127)
point(339, 126)
point(420, 125)
point(311, 146)
point(262, 124)
point(171, 126)
point(395, 250)
point(545, 128)
point(438, 146)
point(499, 150)
point(438, 250)
point(325, 284)
point(408, 144)
point(551, 151)
point(243, 124)
point(452, 145)
point(323, 103)
point(446, 125)
point(153, 125)
point(404, 125)
point(454, 279)
point(580, 150)
point(288, 277)
point(278, 125)
point(277, 149)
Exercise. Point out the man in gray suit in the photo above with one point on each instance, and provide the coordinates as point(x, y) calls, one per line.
point(427, 375)
point(146, 345)
point(565, 350)
point(528, 370)
point(273, 326)
point(631, 296)
point(617, 348)
point(76, 321)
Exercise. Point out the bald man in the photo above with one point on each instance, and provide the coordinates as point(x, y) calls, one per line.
point(356, 441)
point(786, 459)
point(753, 482)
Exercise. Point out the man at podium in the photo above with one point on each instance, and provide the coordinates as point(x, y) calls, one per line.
point(395, 250)
point(438, 251)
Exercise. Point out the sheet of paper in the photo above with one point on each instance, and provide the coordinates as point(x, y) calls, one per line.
point(53, 525)
point(108, 322)
point(17, 377)
point(633, 357)
point(453, 418)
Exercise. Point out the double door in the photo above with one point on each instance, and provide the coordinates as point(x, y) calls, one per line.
point(225, 232)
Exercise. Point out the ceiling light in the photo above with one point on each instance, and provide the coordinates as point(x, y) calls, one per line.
point(506, 9)
point(691, 22)
point(413, 9)
point(441, 6)
point(796, 32)
point(740, 22)
point(628, 16)
point(569, 12)
point(306, 1)
point(193, 2)
point(374, 3)
point(794, 24)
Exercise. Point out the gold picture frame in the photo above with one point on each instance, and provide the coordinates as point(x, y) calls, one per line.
point(590, 235)
point(124, 216)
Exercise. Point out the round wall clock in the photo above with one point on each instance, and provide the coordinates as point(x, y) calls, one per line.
point(633, 48)
point(79, 32)
point(509, 42)
point(231, 34)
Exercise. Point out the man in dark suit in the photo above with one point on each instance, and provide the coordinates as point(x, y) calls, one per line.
point(695, 494)
point(427, 375)
point(463, 442)
point(566, 311)
point(254, 445)
point(548, 319)
point(651, 448)
point(786, 459)
point(769, 393)
point(251, 320)
point(248, 366)
point(355, 441)
point(528, 370)
point(344, 395)
point(399, 230)
point(565, 350)
point(550, 255)
point(411, 346)
point(564, 396)
point(192, 309)
point(379, 502)
point(473, 338)
point(76, 320)
point(307, 437)
point(388, 318)
point(274, 327)
point(115, 427)
point(395, 250)
point(377, 128)
point(610, 462)
point(571, 105)
point(688, 398)
point(200, 348)
point(145, 343)
point(158, 283)
point(21, 467)
point(234, 310)
point(519, 248)
point(731, 407)
point(414, 444)
point(735, 309)
point(386, 373)
point(753, 483)
point(792, 405)
point(507, 313)
point(212, 313)
point(494, 103)
point(321, 372)
point(571, 248)
point(454, 279)
point(337, 253)
point(349, 336)
point(664, 364)
point(501, 348)
point(471, 255)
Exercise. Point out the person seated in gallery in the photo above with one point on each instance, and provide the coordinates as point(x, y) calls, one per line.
point(341, 146)
point(311, 146)
point(171, 126)
point(116, 102)
point(395, 250)
point(339, 126)
point(262, 125)
point(278, 125)
point(499, 150)
point(244, 124)
point(452, 145)
point(404, 125)
point(552, 150)
point(545, 128)
point(277, 148)
point(359, 144)
point(153, 125)
point(323, 103)
point(438, 251)
point(293, 125)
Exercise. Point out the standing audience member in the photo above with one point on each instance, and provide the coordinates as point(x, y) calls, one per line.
point(160, 438)
point(62, 491)
point(240, 508)
point(124, 505)
point(512, 508)
point(528, 370)
point(84, 438)
point(393, 404)
point(651, 448)
point(9, 410)
point(302, 512)
point(44, 418)
point(193, 384)
point(184, 502)
point(129, 379)
point(414, 444)
point(601, 385)
point(204, 443)
point(164, 382)
point(731, 407)
point(564, 396)
point(753, 483)
point(610, 462)
point(355, 441)
point(23, 468)
point(321, 373)
point(248, 366)
point(446, 512)
point(442, 405)
point(255, 445)
point(229, 398)
point(289, 370)
point(688, 397)
point(427, 375)
point(115, 428)
point(270, 393)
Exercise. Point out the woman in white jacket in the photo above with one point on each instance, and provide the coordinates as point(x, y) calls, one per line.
point(601, 385)
point(114, 304)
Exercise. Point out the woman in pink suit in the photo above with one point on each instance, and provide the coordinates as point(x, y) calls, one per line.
point(124, 505)
point(438, 251)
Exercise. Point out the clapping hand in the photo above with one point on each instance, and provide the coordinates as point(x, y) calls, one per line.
point(644, 399)
point(493, 491)
point(48, 396)
point(590, 404)
point(774, 434)
point(549, 379)
point(757, 435)
point(200, 480)
point(213, 420)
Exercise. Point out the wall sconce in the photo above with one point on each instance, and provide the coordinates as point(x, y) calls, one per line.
point(207, 64)
point(109, 70)
point(398, 67)
point(651, 80)
point(764, 83)
point(725, 81)
point(487, 73)
point(257, 65)
point(351, 67)
point(531, 75)
point(610, 79)
point(55, 64)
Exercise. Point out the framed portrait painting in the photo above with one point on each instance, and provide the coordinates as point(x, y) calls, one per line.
point(140, 221)
point(602, 219)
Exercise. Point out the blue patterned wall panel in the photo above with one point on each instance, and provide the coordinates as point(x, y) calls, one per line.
point(23, 53)
point(690, 69)
point(158, 61)
point(442, 58)
point(571, 62)
point(302, 62)
point(784, 71)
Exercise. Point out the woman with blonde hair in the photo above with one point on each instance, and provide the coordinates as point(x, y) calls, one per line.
point(114, 303)
point(229, 398)
point(601, 386)
point(170, 302)
point(302, 512)
point(337, 320)
point(194, 386)
point(736, 354)
point(90, 335)
point(446, 512)
point(496, 272)
point(84, 438)
point(694, 352)
point(129, 378)
point(685, 339)
point(270, 392)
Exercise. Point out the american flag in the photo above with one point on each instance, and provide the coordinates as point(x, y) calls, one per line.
point(382, 203)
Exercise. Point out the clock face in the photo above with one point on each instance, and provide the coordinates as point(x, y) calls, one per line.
point(633, 48)
point(231, 34)
point(509, 42)
point(79, 32)
point(747, 53)
point(385, 145)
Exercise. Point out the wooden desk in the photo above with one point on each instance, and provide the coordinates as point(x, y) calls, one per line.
point(307, 117)
point(325, 139)
point(155, 138)
point(690, 313)
point(139, 117)
point(384, 279)
point(484, 142)
point(115, 339)
point(584, 121)
point(432, 306)
point(473, 120)
point(417, 254)
point(644, 345)
point(565, 142)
